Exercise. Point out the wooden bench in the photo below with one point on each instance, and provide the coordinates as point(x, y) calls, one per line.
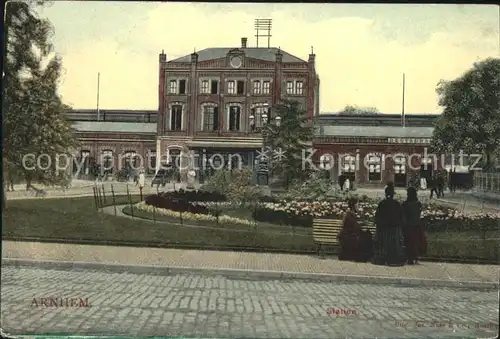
point(325, 231)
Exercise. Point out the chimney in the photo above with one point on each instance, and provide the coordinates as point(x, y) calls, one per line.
point(279, 56)
point(194, 58)
point(163, 57)
point(244, 42)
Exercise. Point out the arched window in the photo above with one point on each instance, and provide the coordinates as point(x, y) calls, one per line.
point(107, 159)
point(326, 162)
point(130, 159)
point(152, 160)
point(399, 165)
point(349, 164)
point(374, 167)
point(209, 117)
point(85, 161)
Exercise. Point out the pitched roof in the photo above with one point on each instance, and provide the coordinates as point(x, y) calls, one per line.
point(375, 131)
point(116, 127)
point(262, 53)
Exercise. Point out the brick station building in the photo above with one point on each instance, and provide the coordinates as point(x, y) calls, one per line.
point(372, 149)
point(207, 99)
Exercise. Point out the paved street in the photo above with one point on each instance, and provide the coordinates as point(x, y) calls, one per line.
point(214, 306)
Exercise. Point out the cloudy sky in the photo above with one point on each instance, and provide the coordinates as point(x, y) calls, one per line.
point(361, 50)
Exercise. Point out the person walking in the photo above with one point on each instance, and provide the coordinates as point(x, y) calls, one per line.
point(389, 240)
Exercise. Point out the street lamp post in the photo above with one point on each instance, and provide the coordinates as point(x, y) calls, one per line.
point(267, 132)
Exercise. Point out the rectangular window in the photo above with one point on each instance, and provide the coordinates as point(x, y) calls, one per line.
point(231, 87)
point(241, 87)
point(234, 118)
point(257, 113)
point(266, 88)
point(204, 87)
point(299, 87)
point(172, 88)
point(214, 87)
point(182, 86)
point(176, 118)
point(210, 118)
point(256, 87)
point(289, 87)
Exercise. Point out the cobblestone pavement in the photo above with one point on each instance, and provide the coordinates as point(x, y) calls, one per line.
point(214, 306)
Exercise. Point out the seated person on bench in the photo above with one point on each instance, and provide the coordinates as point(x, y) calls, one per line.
point(350, 234)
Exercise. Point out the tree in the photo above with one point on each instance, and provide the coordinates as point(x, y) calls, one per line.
point(471, 114)
point(355, 110)
point(289, 140)
point(33, 113)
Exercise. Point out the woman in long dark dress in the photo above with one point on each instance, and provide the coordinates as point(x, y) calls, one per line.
point(349, 235)
point(389, 236)
point(415, 238)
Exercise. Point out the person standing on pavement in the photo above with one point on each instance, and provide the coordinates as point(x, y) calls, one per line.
point(341, 182)
point(142, 179)
point(412, 230)
point(433, 186)
point(440, 186)
point(389, 219)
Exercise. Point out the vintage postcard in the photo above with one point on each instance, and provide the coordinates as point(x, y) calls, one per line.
point(241, 170)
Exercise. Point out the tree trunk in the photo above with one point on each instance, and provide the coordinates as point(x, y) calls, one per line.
point(4, 199)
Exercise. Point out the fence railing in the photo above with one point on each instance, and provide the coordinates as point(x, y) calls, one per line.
point(487, 182)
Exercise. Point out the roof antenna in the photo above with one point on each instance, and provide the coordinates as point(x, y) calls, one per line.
point(162, 51)
point(194, 50)
point(312, 50)
point(263, 25)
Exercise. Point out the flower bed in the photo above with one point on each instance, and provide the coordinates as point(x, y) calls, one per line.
point(435, 218)
point(223, 219)
point(184, 201)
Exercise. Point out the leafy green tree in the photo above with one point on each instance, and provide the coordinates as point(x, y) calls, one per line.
point(288, 141)
point(355, 110)
point(33, 113)
point(471, 114)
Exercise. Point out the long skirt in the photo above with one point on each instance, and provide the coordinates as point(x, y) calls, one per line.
point(389, 247)
point(365, 251)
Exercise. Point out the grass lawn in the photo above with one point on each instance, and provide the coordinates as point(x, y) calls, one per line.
point(77, 219)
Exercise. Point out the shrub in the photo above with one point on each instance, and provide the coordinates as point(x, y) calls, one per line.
point(184, 201)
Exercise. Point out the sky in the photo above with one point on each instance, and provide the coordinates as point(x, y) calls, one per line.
point(361, 50)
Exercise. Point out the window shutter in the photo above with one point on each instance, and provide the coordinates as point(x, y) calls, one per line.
point(216, 118)
point(237, 122)
point(182, 87)
point(241, 86)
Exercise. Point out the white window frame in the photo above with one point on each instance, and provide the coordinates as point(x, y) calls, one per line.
point(231, 87)
point(266, 89)
point(400, 164)
point(173, 89)
point(348, 164)
point(203, 106)
point(177, 86)
point(205, 89)
point(299, 91)
point(374, 162)
point(228, 108)
point(257, 87)
point(258, 117)
point(290, 90)
point(183, 112)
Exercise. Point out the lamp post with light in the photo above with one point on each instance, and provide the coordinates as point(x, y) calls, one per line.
point(269, 129)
